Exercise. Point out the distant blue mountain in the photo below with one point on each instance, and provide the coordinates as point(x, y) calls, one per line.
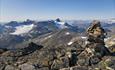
point(11, 35)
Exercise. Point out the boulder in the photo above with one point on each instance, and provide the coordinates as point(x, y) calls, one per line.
point(44, 68)
point(79, 68)
point(108, 63)
point(65, 69)
point(10, 67)
point(2, 66)
point(27, 66)
point(63, 62)
point(76, 68)
point(2, 50)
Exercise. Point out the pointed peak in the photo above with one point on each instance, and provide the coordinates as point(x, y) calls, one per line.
point(58, 20)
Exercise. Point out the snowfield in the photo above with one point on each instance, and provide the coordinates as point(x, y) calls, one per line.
point(61, 24)
point(22, 29)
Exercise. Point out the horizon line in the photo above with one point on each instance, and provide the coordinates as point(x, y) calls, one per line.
point(20, 20)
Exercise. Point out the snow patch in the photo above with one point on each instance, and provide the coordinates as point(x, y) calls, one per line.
point(61, 23)
point(8, 26)
point(22, 29)
point(86, 42)
point(106, 46)
point(106, 39)
point(84, 37)
point(47, 37)
point(70, 43)
point(67, 33)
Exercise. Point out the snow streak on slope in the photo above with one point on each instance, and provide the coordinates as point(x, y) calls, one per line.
point(22, 29)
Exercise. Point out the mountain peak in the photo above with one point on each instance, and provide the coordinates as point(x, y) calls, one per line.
point(58, 20)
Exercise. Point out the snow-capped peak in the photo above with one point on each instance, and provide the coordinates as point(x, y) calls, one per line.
point(22, 29)
point(60, 24)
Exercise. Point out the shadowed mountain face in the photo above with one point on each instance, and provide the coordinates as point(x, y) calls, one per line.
point(58, 49)
point(14, 33)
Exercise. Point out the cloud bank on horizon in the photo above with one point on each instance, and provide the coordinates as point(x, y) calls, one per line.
point(51, 9)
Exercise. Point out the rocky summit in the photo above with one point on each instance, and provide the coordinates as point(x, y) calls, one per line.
point(52, 52)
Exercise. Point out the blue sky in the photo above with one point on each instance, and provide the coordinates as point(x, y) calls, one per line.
point(51, 9)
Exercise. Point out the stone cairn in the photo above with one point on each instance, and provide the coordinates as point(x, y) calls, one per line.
point(95, 48)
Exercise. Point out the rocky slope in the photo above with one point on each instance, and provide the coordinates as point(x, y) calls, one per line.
point(14, 32)
point(37, 57)
point(17, 32)
point(60, 50)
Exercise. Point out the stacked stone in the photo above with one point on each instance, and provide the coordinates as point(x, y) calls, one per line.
point(96, 33)
point(95, 48)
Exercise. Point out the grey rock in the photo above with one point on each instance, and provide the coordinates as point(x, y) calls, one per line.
point(94, 60)
point(44, 68)
point(107, 62)
point(2, 66)
point(73, 58)
point(76, 68)
point(7, 59)
point(10, 67)
point(27, 66)
point(65, 69)
point(63, 62)
point(2, 50)
point(79, 68)
point(96, 33)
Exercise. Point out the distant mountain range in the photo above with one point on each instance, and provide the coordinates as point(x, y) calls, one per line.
point(15, 33)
